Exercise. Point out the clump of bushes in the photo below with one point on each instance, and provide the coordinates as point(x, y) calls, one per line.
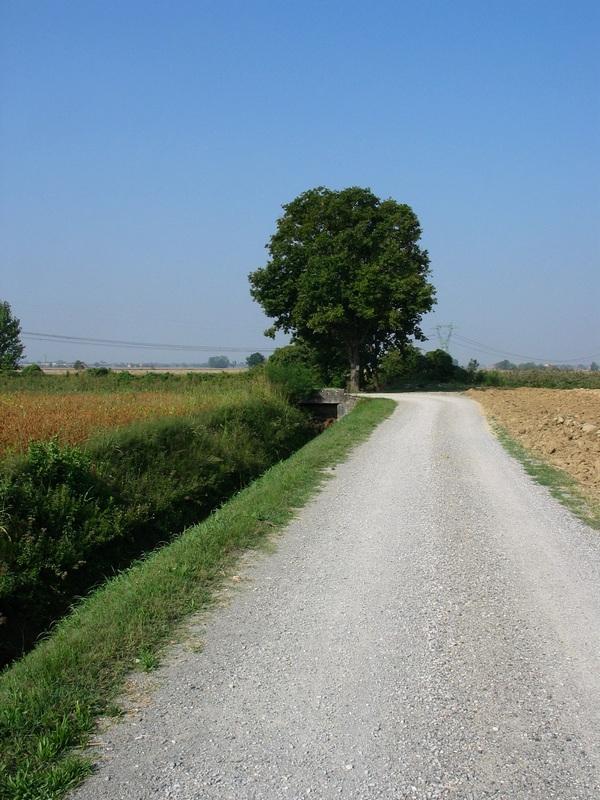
point(292, 371)
point(548, 378)
point(410, 367)
point(71, 516)
point(31, 370)
point(316, 367)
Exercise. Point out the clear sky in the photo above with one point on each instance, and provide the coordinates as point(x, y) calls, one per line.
point(146, 149)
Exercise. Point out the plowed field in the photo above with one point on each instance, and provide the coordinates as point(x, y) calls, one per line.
point(560, 425)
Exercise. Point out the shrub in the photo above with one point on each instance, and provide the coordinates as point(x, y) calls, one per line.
point(295, 381)
point(294, 370)
point(98, 372)
point(255, 360)
point(409, 367)
point(548, 378)
point(32, 369)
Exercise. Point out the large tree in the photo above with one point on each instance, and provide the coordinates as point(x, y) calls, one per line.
point(11, 347)
point(346, 271)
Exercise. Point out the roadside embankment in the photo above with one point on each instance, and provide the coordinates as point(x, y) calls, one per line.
point(74, 515)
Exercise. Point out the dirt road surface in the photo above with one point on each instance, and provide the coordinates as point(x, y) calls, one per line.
point(428, 627)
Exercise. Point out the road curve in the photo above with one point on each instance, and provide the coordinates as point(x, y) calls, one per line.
point(428, 627)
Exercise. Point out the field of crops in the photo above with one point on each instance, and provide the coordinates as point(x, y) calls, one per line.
point(71, 409)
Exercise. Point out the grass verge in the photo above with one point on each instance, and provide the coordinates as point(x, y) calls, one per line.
point(560, 484)
point(49, 700)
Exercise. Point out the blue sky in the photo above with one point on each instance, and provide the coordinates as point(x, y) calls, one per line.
point(146, 149)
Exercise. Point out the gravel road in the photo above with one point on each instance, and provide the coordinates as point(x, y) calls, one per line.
point(428, 627)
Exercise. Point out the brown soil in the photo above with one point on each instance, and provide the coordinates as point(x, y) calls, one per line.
point(560, 425)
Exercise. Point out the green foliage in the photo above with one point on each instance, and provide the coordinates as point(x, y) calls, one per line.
point(547, 378)
point(505, 364)
point(346, 272)
point(79, 365)
point(255, 359)
point(326, 363)
point(72, 516)
point(473, 368)
point(409, 367)
point(397, 365)
point(11, 347)
point(113, 381)
point(33, 370)
point(293, 372)
point(438, 365)
point(218, 362)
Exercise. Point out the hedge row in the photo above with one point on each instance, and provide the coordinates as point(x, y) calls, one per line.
point(70, 517)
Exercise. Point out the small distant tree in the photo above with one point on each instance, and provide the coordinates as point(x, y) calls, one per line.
point(79, 365)
point(218, 362)
point(32, 369)
point(439, 365)
point(11, 347)
point(472, 368)
point(506, 364)
point(594, 367)
point(254, 359)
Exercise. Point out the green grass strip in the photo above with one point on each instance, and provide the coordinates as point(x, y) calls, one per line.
point(49, 700)
point(560, 484)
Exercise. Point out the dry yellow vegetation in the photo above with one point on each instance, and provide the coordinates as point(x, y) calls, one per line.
point(72, 417)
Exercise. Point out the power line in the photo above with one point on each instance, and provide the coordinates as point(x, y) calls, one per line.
point(89, 340)
point(444, 333)
point(473, 342)
point(466, 342)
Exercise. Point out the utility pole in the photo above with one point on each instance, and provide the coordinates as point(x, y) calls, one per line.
point(444, 333)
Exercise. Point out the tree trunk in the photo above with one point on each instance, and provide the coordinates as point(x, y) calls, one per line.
point(354, 355)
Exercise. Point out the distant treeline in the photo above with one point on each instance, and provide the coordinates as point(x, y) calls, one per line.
point(530, 366)
point(541, 378)
point(409, 369)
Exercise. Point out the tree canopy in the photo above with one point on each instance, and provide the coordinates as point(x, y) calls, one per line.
point(11, 347)
point(346, 273)
point(254, 359)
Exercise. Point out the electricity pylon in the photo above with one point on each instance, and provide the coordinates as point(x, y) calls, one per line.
point(444, 333)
